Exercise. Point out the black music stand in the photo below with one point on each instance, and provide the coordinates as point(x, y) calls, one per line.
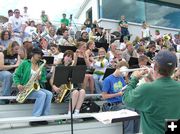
point(49, 59)
point(99, 45)
point(108, 72)
point(133, 62)
point(64, 48)
point(73, 74)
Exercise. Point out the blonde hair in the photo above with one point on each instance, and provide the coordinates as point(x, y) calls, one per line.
point(122, 63)
point(11, 46)
point(80, 44)
point(89, 43)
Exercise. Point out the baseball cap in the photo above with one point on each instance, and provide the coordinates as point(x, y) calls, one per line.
point(166, 58)
point(27, 39)
point(83, 31)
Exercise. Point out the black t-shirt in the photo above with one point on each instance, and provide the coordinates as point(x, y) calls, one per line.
point(84, 40)
point(10, 59)
point(80, 61)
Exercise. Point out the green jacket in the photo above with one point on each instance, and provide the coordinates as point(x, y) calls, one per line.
point(23, 74)
point(156, 101)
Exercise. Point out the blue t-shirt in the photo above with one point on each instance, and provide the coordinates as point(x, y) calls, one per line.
point(112, 85)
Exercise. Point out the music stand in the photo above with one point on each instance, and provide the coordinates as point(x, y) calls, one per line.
point(73, 74)
point(49, 59)
point(64, 48)
point(108, 72)
point(133, 62)
point(99, 45)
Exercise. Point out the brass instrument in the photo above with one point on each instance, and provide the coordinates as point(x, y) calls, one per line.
point(31, 85)
point(64, 90)
point(131, 70)
point(176, 75)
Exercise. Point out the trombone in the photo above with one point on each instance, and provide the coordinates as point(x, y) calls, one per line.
point(132, 70)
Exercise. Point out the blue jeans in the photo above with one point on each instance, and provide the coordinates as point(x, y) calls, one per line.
point(131, 126)
point(43, 102)
point(98, 83)
point(6, 78)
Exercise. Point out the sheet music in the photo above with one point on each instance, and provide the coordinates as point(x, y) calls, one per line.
point(106, 117)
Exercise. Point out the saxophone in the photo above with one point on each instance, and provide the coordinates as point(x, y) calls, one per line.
point(64, 90)
point(31, 85)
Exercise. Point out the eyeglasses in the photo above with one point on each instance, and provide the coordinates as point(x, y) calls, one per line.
point(17, 12)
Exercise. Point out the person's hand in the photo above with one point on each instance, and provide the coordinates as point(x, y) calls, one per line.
point(20, 88)
point(120, 93)
point(17, 63)
point(56, 89)
point(140, 74)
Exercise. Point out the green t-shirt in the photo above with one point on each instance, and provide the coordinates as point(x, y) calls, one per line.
point(65, 21)
point(155, 101)
point(44, 19)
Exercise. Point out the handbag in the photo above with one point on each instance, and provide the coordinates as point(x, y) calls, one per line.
point(89, 107)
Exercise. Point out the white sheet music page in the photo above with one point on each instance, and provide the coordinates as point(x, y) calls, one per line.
point(106, 117)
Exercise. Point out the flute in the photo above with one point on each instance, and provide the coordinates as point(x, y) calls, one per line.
point(95, 57)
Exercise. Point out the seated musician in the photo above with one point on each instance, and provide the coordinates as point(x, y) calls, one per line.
point(66, 40)
point(143, 62)
point(81, 59)
point(100, 65)
point(78, 94)
point(112, 92)
point(117, 58)
point(129, 52)
point(157, 100)
point(26, 70)
point(89, 52)
point(9, 60)
point(56, 53)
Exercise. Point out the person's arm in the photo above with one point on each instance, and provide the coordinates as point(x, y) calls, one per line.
point(5, 67)
point(51, 81)
point(106, 88)
point(18, 74)
point(137, 97)
point(105, 95)
point(86, 58)
point(75, 59)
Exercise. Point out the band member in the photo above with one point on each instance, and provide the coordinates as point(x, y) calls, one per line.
point(100, 65)
point(22, 75)
point(89, 52)
point(112, 92)
point(9, 60)
point(81, 59)
point(176, 75)
point(157, 100)
point(78, 95)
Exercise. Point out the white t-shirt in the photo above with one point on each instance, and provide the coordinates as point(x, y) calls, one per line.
point(25, 17)
point(29, 30)
point(16, 23)
point(122, 46)
point(145, 32)
point(58, 57)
